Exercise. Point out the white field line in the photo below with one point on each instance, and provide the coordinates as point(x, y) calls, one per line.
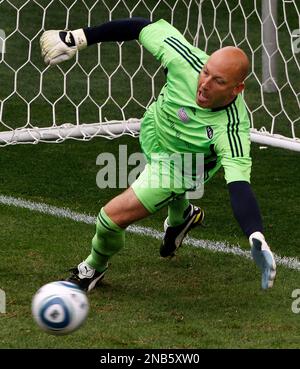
point(216, 246)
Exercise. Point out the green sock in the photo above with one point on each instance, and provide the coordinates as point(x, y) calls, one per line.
point(177, 211)
point(108, 240)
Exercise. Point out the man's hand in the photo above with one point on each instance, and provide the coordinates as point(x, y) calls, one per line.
point(264, 259)
point(58, 46)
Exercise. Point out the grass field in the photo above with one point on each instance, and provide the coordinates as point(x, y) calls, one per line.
point(201, 298)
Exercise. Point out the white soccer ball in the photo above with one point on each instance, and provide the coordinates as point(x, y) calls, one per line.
point(60, 307)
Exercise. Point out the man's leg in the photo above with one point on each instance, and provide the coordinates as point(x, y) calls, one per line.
point(178, 210)
point(136, 203)
point(140, 200)
point(182, 217)
point(126, 209)
point(109, 238)
point(112, 220)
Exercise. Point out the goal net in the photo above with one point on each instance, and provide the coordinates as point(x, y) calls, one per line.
point(106, 88)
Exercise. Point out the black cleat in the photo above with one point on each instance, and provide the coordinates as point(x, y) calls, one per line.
point(174, 235)
point(85, 276)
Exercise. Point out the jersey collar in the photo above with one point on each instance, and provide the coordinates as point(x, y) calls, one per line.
point(224, 107)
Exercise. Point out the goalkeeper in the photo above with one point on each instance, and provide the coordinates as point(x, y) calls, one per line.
point(199, 110)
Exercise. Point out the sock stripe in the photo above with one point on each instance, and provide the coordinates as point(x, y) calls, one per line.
point(104, 223)
point(103, 219)
point(99, 253)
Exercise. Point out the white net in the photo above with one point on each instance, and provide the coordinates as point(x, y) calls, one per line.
point(99, 92)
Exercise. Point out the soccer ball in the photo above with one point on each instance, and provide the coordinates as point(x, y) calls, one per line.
point(60, 307)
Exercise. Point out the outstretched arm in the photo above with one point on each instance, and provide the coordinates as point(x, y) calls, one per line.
point(247, 213)
point(58, 46)
point(245, 207)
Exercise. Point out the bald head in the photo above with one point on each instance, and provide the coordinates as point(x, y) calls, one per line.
point(232, 61)
point(222, 77)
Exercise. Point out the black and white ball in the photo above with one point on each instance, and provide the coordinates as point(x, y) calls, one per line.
point(60, 307)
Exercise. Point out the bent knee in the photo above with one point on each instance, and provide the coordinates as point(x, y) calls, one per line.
point(125, 209)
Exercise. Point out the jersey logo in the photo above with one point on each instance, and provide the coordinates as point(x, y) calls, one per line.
point(182, 114)
point(210, 132)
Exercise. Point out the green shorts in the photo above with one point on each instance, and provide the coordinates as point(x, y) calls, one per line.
point(155, 190)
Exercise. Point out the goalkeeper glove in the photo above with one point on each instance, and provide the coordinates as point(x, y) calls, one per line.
point(58, 46)
point(264, 259)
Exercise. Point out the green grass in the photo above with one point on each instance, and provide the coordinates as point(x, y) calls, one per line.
point(200, 299)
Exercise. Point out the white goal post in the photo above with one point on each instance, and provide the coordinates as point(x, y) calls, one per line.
point(104, 90)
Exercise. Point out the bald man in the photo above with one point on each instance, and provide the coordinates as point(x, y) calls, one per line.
point(199, 111)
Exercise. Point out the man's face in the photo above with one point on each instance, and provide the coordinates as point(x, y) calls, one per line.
point(217, 85)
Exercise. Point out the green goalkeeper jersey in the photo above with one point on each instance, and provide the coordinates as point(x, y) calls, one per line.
point(176, 124)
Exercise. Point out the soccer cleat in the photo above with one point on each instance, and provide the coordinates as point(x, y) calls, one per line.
point(85, 276)
point(174, 235)
point(264, 259)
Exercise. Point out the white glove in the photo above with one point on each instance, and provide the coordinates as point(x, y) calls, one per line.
point(264, 259)
point(58, 46)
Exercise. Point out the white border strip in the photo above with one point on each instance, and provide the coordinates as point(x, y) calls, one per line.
point(216, 246)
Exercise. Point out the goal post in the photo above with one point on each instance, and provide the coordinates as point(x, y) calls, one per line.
point(105, 89)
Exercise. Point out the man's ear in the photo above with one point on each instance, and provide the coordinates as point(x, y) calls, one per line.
point(238, 88)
